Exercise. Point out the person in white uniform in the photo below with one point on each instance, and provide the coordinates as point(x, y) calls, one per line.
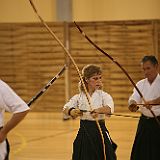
point(147, 141)
point(11, 102)
point(88, 143)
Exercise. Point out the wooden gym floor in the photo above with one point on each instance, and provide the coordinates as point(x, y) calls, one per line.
point(46, 136)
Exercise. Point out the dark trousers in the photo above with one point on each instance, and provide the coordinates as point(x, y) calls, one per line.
point(88, 143)
point(8, 148)
point(147, 141)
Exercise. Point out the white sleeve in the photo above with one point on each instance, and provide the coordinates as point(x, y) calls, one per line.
point(108, 101)
point(135, 95)
point(72, 103)
point(12, 102)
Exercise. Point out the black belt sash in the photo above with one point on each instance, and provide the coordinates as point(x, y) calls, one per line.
point(151, 118)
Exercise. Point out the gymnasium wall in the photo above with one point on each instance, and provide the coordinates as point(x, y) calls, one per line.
point(82, 10)
point(30, 57)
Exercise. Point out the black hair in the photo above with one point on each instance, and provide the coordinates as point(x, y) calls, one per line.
point(150, 58)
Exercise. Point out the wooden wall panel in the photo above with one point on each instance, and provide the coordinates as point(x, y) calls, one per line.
point(29, 57)
point(158, 39)
point(126, 41)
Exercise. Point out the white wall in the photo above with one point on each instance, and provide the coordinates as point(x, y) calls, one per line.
point(21, 11)
point(83, 10)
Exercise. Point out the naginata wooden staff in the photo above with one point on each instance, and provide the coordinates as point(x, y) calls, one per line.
point(76, 67)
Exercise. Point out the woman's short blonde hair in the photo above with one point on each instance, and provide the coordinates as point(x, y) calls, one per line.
point(90, 70)
point(87, 72)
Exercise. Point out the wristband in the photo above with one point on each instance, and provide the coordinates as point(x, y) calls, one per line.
point(69, 111)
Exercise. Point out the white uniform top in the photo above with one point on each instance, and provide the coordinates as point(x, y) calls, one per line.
point(10, 101)
point(98, 99)
point(149, 92)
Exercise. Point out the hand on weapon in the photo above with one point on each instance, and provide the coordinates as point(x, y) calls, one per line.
point(74, 113)
point(148, 104)
point(94, 113)
point(133, 107)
